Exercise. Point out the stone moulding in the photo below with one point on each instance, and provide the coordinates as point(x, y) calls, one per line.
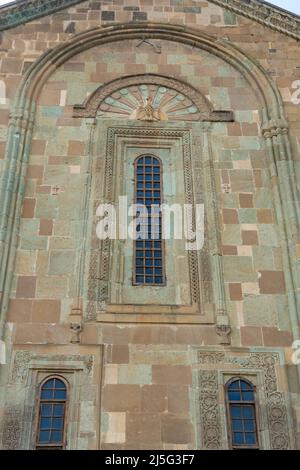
point(204, 108)
point(269, 15)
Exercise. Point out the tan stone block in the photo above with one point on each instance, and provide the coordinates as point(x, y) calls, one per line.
point(178, 399)
point(120, 354)
point(274, 337)
point(251, 336)
point(19, 311)
point(229, 250)
point(230, 216)
point(246, 200)
point(54, 287)
point(45, 311)
point(163, 374)
point(35, 171)
point(154, 398)
point(26, 286)
point(28, 208)
point(76, 147)
point(38, 147)
point(116, 429)
point(235, 291)
point(249, 237)
point(143, 428)
point(176, 430)
point(26, 262)
point(122, 397)
point(271, 282)
point(90, 334)
point(265, 216)
point(46, 227)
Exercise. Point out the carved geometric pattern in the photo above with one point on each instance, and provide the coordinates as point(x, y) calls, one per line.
point(166, 98)
point(275, 402)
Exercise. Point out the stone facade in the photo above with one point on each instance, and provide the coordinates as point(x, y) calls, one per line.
point(147, 366)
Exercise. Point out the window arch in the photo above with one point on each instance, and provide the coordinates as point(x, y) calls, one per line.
point(240, 394)
point(52, 413)
point(149, 250)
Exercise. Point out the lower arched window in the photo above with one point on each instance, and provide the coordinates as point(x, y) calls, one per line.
point(52, 414)
point(242, 413)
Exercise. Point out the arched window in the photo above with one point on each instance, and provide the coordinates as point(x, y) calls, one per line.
point(52, 414)
point(149, 260)
point(242, 413)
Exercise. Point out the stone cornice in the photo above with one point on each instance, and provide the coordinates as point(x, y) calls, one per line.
point(21, 12)
point(269, 15)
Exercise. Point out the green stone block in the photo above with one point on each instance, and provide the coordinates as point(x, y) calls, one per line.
point(61, 262)
point(267, 235)
point(239, 269)
point(52, 111)
point(229, 18)
point(247, 216)
point(137, 374)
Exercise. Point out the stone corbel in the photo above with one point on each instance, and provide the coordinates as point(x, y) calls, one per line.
point(224, 331)
point(75, 324)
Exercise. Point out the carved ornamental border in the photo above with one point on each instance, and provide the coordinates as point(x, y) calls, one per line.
point(208, 399)
point(90, 107)
point(99, 263)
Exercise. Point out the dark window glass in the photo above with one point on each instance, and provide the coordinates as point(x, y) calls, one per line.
point(148, 247)
point(52, 409)
point(240, 394)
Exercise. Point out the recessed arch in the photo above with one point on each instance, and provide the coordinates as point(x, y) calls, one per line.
point(24, 108)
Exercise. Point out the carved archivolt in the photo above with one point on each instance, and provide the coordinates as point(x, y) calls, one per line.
point(150, 97)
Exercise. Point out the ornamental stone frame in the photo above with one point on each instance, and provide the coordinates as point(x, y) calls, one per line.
point(212, 369)
point(205, 267)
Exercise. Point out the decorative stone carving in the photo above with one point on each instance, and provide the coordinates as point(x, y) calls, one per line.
point(152, 98)
point(209, 409)
point(275, 401)
point(20, 366)
point(11, 428)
